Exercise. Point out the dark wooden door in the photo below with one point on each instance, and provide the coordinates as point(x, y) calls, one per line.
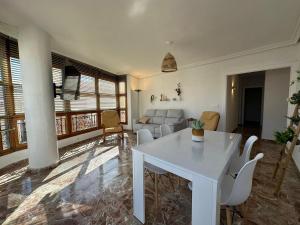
point(253, 106)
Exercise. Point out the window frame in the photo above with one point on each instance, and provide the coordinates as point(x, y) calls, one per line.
point(67, 114)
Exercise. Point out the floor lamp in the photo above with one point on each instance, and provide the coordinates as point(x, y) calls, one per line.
point(138, 102)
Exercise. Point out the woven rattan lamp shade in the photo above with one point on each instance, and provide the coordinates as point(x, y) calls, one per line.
point(169, 63)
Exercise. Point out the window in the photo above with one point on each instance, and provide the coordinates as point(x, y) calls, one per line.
point(57, 79)
point(107, 92)
point(99, 90)
point(17, 85)
point(123, 100)
point(12, 128)
point(87, 100)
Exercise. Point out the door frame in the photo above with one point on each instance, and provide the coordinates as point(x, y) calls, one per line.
point(262, 103)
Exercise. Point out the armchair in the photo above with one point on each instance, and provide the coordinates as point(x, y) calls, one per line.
point(111, 124)
point(210, 119)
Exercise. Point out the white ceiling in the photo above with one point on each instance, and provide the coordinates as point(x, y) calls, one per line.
point(128, 36)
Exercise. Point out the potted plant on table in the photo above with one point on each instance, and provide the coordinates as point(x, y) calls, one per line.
point(197, 131)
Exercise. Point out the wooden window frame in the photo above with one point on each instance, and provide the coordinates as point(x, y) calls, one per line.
point(97, 73)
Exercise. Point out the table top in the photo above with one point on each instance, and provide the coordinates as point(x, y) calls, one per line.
point(209, 158)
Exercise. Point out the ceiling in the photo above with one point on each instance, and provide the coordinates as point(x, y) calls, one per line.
point(128, 36)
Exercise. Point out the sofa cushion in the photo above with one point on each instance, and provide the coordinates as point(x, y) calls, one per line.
point(161, 112)
point(150, 112)
point(171, 121)
point(157, 120)
point(144, 120)
point(177, 113)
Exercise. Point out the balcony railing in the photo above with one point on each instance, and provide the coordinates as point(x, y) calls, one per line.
point(13, 135)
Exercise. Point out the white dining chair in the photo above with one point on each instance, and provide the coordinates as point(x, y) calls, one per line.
point(239, 160)
point(144, 136)
point(235, 191)
point(165, 130)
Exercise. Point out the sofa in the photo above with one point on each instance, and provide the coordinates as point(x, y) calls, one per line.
point(172, 117)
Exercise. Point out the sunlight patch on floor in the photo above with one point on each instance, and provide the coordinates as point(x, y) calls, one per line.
point(78, 150)
point(16, 174)
point(102, 158)
point(44, 193)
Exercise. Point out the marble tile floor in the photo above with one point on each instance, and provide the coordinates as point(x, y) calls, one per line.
point(93, 185)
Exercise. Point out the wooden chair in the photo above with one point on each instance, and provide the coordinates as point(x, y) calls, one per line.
point(111, 124)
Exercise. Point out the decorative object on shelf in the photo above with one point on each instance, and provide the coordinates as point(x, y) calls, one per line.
point(197, 131)
point(152, 98)
point(288, 139)
point(178, 89)
point(169, 63)
point(164, 98)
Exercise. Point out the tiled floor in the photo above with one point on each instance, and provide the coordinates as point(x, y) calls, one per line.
point(93, 185)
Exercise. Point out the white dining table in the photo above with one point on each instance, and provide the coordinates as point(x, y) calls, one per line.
point(204, 163)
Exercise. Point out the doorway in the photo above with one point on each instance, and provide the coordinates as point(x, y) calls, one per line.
point(253, 98)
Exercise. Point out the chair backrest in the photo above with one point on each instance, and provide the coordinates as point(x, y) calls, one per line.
point(110, 118)
point(210, 119)
point(243, 183)
point(143, 136)
point(245, 157)
point(165, 130)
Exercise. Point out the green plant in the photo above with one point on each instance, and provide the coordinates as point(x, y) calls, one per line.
point(284, 136)
point(295, 119)
point(295, 99)
point(197, 125)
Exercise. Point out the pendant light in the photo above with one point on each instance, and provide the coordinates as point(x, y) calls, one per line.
point(169, 63)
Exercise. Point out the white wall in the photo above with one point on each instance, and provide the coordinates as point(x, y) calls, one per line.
point(275, 103)
point(233, 102)
point(132, 84)
point(204, 86)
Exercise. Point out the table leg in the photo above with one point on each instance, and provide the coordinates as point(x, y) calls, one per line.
point(205, 202)
point(138, 186)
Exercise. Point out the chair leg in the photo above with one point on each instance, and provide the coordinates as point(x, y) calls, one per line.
point(104, 135)
point(156, 190)
point(228, 216)
point(243, 210)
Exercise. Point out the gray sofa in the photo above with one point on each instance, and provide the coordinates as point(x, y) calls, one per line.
point(172, 117)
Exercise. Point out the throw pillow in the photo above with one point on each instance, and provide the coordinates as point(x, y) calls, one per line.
point(144, 120)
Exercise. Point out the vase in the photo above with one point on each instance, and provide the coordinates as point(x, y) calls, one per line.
point(197, 135)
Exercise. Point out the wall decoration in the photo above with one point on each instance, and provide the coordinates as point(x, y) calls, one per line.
point(178, 89)
point(152, 98)
point(164, 98)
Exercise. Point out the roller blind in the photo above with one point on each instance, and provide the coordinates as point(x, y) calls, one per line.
point(87, 100)
point(107, 92)
point(11, 92)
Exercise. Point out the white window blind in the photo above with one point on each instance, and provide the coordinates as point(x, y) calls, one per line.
point(107, 91)
point(87, 100)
